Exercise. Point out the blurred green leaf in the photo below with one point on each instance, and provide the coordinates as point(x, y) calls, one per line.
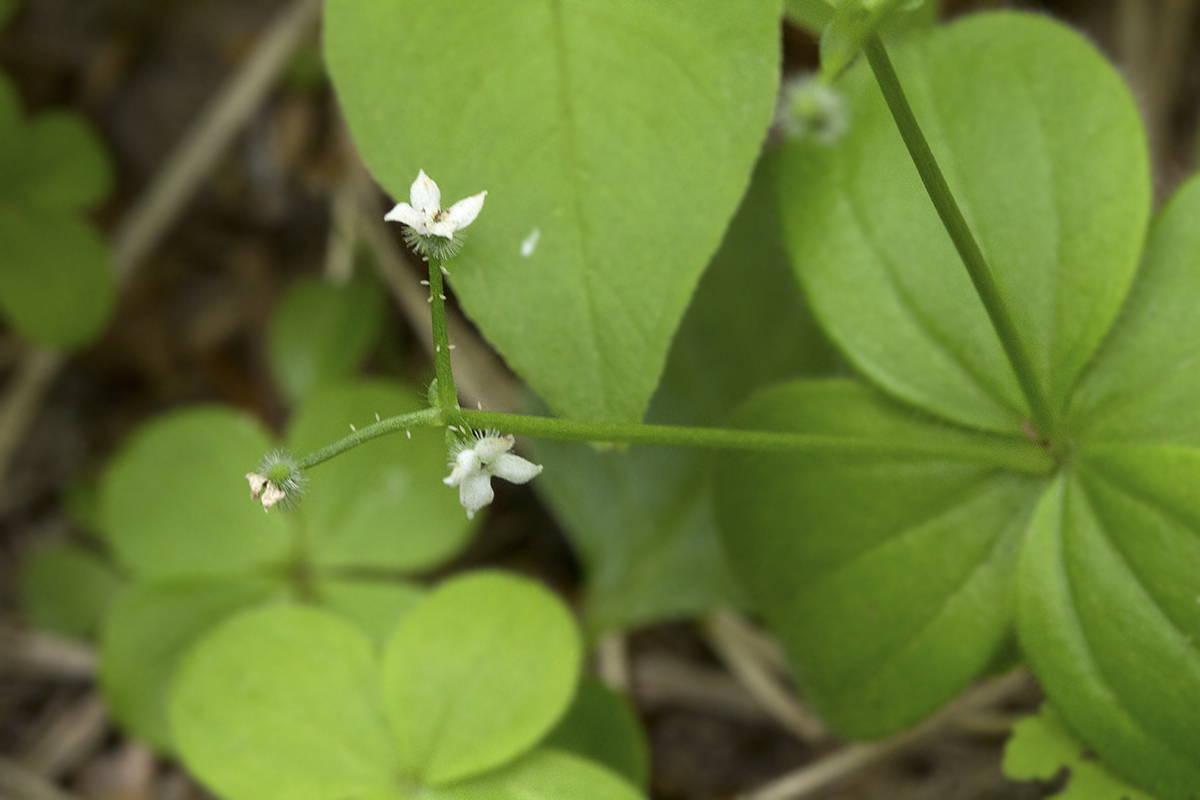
point(1041, 746)
point(887, 579)
point(376, 606)
point(320, 333)
point(146, 633)
point(543, 775)
point(603, 727)
point(65, 165)
point(811, 15)
point(598, 222)
point(477, 674)
point(174, 500)
point(67, 589)
point(283, 704)
point(382, 504)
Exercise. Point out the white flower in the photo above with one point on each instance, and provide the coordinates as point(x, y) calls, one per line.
point(425, 215)
point(261, 487)
point(473, 469)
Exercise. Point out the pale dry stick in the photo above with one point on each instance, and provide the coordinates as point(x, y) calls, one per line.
point(160, 205)
point(19, 783)
point(744, 659)
point(612, 662)
point(855, 757)
point(478, 373)
point(661, 680)
point(70, 738)
point(343, 233)
point(45, 656)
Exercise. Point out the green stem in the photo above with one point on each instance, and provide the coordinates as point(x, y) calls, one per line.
point(968, 249)
point(423, 418)
point(447, 395)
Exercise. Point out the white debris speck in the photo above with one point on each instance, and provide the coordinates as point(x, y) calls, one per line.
point(530, 242)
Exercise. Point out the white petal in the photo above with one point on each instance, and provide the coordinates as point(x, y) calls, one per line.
point(425, 195)
point(475, 493)
point(514, 469)
point(465, 465)
point(491, 446)
point(271, 495)
point(257, 483)
point(403, 212)
point(464, 212)
point(442, 228)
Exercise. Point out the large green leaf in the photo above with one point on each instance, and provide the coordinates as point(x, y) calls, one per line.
point(613, 138)
point(67, 589)
point(1108, 611)
point(480, 671)
point(1145, 382)
point(602, 726)
point(886, 577)
point(641, 517)
point(283, 704)
point(544, 774)
point(383, 503)
point(375, 605)
point(147, 632)
point(1049, 165)
point(320, 333)
point(175, 502)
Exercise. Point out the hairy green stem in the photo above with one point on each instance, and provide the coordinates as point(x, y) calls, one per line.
point(417, 419)
point(1043, 417)
point(447, 394)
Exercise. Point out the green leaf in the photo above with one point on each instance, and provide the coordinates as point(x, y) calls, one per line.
point(374, 605)
point(146, 633)
point(382, 504)
point(886, 578)
point(811, 15)
point(851, 23)
point(1052, 177)
point(320, 333)
point(544, 774)
point(66, 166)
point(1041, 745)
point(1107, 596)
point(56, 287)
point(67, 589)
point(1145, 381)
point(620, 137)
point(283, 704)
point(641, 518)
point(602, 726)
point(477, 674)
point(175, 502)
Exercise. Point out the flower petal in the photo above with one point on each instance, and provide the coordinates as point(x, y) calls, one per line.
point(271, 495)
point(514, 468)
point(257, 484)
point(464, 212)
point(425, 195)
point(475, 493)
point(403, 212)
point(491, 446)
point(466, 464)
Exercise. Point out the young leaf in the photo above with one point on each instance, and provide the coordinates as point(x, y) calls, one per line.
point(146, 633)
point(480, 671)
point(283, 704)
point(602, 726)
point(66, 589)
point(382, 504)
point(1041, 745)
point(174, 501)
point(598, 221)
point(321, 332)
point(1050, 168)
point(887, 577)
point(1107, 608)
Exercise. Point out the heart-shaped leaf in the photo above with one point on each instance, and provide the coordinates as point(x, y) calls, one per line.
point(377, 606)
point(480, 671)
point(175, 502)
point(1108, 602)
point(1050, 168)
point(886, 574)
point(586, 124)
point(283, 704)
point(383, 503)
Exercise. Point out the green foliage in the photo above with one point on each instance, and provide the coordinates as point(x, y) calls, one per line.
point(1041, 746)
point(321, 332)
point(67, 589)
point(56, 287)
point(892, 579)
point(602, 726)
point(175, 511)
point(642, 518)
point(596, 119)
point(294, 703)
point(849, 23)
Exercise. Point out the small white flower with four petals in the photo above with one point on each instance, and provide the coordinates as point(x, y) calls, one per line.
point(473, 467)
point(425, 214)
